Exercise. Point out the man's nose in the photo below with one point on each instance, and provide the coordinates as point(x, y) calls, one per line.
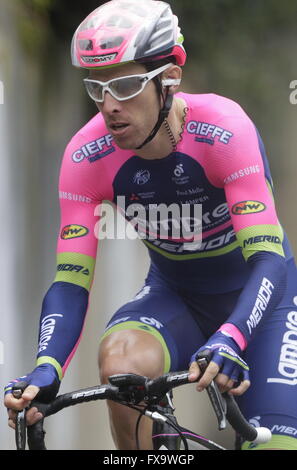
point(111, 104)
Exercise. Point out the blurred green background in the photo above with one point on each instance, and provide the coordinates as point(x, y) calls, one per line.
point(245, 50)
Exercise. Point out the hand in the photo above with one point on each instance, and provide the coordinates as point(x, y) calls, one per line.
point(42, 384)
point(230, 371)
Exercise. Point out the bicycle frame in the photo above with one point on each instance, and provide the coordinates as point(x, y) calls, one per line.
point(166, 438)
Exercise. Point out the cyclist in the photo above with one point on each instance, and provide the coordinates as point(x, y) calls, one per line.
point(233, 294)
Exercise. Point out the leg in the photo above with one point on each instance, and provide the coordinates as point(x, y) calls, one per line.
point(149, 336)
point(272, 357)
point(130, 351)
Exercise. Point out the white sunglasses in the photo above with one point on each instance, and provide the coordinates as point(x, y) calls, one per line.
point(125, 88)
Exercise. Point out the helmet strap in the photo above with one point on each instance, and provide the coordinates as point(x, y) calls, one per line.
point(163, 114)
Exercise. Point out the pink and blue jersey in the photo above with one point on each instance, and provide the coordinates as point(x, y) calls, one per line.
point(219, 163)
point(240, 277)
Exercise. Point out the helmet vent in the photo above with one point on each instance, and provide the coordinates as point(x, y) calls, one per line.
point(109, 43)
point(86, 44)
point(159, 40)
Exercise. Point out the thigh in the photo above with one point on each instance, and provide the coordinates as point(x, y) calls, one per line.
point(160, 311)
point(272, 357)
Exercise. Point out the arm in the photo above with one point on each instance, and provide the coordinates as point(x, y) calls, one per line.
point(254, 218)
point(65, 304)
point(250, 200)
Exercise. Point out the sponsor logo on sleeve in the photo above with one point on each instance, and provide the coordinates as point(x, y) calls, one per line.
point(209, 133)
point(74, 197)
point(262, 239)
point(248, 207)
point(48, 325)
point(263, 298)
point(242, 173)
point(73, 231)
point(94, 150)
point(76, 268)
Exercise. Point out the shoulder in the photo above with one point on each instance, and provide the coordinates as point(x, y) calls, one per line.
point(215, 119)
point(226, 135)
point(91, 160)
point(90, 142)
point(212, 105)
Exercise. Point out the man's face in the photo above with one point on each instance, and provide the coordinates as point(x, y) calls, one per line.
point(137, 115)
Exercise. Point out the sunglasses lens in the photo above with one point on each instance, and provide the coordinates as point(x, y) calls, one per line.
point(126, 87)
point(94, 90)
point(121, 88)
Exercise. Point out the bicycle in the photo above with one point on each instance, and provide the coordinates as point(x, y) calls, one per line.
point(152, 398)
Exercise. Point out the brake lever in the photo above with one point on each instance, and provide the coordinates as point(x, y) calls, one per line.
point(20, 423)
point(21, 430)
point(218, 402)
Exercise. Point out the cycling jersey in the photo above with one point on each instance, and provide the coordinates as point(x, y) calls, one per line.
point(219, 162)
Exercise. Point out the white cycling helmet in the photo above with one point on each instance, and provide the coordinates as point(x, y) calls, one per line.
point(121, 31)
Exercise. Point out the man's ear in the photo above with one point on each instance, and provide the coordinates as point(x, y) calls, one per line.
point(172, 78)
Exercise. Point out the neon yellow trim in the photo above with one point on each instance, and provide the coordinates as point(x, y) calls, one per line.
point(276, 442)
point(270, 187)
point(249, 247)
point(205, 254)
point(136, 325)
point(50, 360)
point(103, 67)
point(234, 359)
point(181, 39)
point(75, 268)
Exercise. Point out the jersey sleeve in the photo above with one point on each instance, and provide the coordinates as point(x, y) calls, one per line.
point(65, 304)
point(238, 166)
point(79, 208)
